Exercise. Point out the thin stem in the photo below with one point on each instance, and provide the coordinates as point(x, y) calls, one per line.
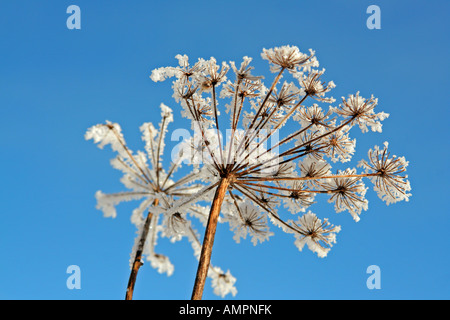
point(137, 263)
point(309, 178)
point(217, 123)
point(236, 90)
point(248, 184)
point(158, 155)
point(208, 240)
point(233, 132)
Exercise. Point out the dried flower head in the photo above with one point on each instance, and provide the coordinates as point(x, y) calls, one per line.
point(255, 163)
point(361, 111)
point(287, 57)
point(317, 235)
point(388, 176)
point(245, 171)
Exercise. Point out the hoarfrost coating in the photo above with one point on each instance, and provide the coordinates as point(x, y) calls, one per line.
point(254, 184)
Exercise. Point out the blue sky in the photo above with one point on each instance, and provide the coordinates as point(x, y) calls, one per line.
point(55, 83)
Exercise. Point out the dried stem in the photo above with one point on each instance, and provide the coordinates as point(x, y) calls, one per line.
point(217, 122)
point(208, 240)
point(309, 178)
point(137, 263)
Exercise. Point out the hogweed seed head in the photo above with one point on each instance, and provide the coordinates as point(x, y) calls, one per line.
point(273, 152)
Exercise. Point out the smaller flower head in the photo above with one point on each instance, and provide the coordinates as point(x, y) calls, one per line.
point(222, 283)
point(313, 116)
point(287, 57)
point(315, 88)
point(297, 196)
point(361, 110)
point(161, 263)
point(339, 146)
point(211, 76)
point(250, 221)
point(347, 193)
point(312, 168)
point(389, 181)
point(244, 72)
point(317, 235)
point(287, 95)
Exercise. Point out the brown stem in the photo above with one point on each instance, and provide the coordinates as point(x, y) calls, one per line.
point(137, 263)
point(208, 240)
point(362, 175)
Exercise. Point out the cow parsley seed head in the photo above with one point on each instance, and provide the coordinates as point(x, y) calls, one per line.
point(347, 193)
point(287, 57)
point(361, 110)
point(314, 169)
point(297, 197)
point(339, 146)
point(211, 75)
point(251, 167)
point(389, 180)
point(313, 117)
point(244, 72)
point(317, 235)
point(315, 88)
point(249, 221)
point(254, 168)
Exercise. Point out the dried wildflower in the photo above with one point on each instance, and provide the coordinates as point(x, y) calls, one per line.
point(184, 71)
point(361, 111)
point(286, 57)
point(313, 117)
point(287, 96)
point(248, 178)
point(314, 169)
point(339, 146)
point(389, 180)
point(347, 192)
point(297, 196)
point(249, 220)
point(318, 236)
point(245, 168)
point(244, 72)
point(212, 76)
point(315, 88)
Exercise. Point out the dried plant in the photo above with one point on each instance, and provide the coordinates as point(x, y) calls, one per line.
point(253, 179)
point(251, 182)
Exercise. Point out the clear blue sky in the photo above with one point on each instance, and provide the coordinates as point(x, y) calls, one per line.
point(55, 83)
